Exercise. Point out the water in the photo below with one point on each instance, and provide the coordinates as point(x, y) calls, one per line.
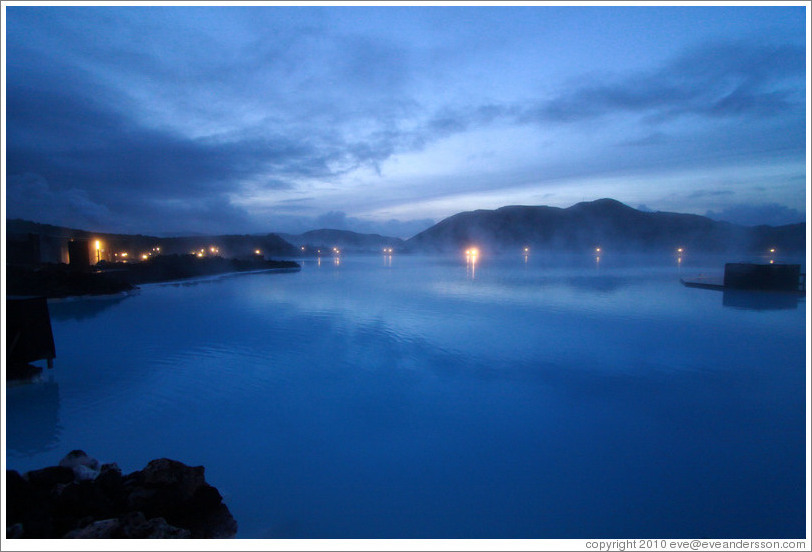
point(423, 398)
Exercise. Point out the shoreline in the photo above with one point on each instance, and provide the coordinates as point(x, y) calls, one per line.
point(62, 282)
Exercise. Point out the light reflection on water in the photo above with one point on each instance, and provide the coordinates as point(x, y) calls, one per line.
point(417, 399)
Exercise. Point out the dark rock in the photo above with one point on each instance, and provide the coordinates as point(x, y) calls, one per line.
point(136, 526)
point(47, 478)
point(18, 496)
point(78, 504)
point(110, 481)
point(167, 499)
point(163, 473)
point(103, 529)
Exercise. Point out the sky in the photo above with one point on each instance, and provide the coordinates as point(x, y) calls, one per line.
point(172, 120)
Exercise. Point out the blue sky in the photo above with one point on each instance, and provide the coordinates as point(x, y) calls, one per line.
point(219, 119)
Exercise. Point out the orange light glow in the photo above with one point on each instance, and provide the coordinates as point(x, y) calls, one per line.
point(258, 252)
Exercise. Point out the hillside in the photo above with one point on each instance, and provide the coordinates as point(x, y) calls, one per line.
point(604, 223)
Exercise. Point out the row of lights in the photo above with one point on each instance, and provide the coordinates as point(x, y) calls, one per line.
point(213, 249)
point(123, 256)
point(335, 250)
point(526, 251)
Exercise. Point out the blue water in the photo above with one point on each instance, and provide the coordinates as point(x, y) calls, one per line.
point(423, 398)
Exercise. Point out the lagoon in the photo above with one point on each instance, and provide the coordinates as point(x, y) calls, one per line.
point(426, 397)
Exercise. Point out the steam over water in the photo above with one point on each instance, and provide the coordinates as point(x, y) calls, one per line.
point(410, 397)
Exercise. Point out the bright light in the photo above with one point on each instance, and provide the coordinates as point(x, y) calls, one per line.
point(257, 251)
point(98, 245)
point(679, 250)
point(597, 250)
point(124, 254)
point(199, 253)
point(303, 248)
point(772, 250)
point(213, 249)
point(144, 257)
point(526, 249)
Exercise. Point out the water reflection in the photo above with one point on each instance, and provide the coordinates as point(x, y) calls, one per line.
point(759, 301)
point(82, 308)
point(471, 257)
point(600, 284)
point(32, 423)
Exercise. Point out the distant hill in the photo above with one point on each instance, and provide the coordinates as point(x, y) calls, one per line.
point(53, 241)
point(604, 223)
point(343, 240)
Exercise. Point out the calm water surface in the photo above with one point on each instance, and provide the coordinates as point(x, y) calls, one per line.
point(423, 398)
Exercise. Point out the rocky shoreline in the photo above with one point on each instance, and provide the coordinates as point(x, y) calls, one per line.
point(81, 498)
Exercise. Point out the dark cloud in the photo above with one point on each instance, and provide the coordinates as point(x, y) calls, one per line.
point(771, 214)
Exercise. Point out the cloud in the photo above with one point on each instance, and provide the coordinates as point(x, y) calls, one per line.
point(336, 220)
point(712, 80)
point(709, 193)
point(771, 214)
point(30, 196)
point(230, 117)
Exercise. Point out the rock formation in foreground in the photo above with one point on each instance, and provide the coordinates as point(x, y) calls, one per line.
point(81, 499)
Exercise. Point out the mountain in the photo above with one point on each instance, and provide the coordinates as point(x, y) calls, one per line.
point(344, 240)
point(604, 223)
